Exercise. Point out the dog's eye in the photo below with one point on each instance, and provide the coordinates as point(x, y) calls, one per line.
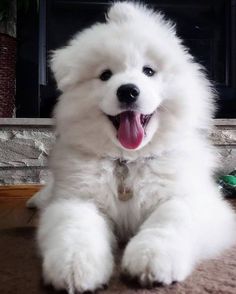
point(148, 71)
point(105, 75)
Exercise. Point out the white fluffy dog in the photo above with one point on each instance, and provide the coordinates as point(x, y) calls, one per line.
point(132, 161)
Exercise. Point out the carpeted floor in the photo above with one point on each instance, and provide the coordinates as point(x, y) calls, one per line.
point(20, 267)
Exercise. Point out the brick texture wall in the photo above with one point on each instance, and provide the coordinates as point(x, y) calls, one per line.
point(7, 75)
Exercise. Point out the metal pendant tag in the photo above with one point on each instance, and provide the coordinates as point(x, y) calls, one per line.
point(124, 194)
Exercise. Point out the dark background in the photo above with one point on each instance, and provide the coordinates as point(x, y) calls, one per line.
point(208, 28)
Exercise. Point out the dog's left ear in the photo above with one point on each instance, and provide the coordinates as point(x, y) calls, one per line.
point(61, 66)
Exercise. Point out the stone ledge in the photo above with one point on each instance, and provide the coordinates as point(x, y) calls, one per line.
point(26, 122)
point(50, 122)
point(225, 122)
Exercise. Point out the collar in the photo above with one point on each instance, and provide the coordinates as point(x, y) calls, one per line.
point(122, 161)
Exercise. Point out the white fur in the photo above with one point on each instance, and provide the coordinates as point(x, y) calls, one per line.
point(176, 216)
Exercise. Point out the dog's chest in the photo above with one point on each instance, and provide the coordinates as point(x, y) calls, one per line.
point(134, 181)
point(130, 192)
point(136, 193)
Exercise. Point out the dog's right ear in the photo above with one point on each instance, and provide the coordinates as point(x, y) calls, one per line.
point(61, 65)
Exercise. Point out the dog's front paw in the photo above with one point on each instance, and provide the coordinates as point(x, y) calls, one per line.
point(153, 260)
point(77, 269)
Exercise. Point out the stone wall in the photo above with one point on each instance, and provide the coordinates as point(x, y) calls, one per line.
point(25, 145)
point(24, 149)
point(224, 137)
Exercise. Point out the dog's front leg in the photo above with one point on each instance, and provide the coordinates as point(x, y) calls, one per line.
point(177, 235)
point(75, 242)
point(162, 250)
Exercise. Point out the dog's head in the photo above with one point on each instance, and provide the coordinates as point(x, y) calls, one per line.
point(129, 85)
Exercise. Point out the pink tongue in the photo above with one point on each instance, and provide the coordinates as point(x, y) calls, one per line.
point(130, 132)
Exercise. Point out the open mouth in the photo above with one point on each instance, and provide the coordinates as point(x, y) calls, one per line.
point(131, 127)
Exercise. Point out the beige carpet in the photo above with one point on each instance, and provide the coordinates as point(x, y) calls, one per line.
point(20, 267)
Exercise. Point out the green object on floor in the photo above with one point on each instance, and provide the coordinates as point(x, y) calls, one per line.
point(231, 180)
point(227, 183)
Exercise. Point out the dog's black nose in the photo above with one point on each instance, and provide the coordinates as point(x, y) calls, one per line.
point(128, 93)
